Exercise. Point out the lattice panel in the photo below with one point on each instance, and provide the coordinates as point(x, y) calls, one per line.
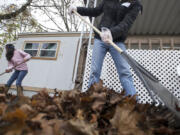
point(161, 63)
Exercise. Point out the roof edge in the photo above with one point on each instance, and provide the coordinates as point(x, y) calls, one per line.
point(52, 34)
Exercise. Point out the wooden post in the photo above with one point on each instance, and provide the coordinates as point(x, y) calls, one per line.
point(172, 43)
point(129, 44)
point(150, 44)
point(161, 44)
point(139, 44)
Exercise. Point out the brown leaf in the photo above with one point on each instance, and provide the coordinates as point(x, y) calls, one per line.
point(50, 108)
point(98, 105)
point(39, 117)
point(57, 102)
point(79, 114)
point(27, 109)
point(126, 121)
point(94, 118)
point(2, 98)
point(97, 87)
point(16, 116)
point(1, 89)
point(78, 127)
point(3, 107)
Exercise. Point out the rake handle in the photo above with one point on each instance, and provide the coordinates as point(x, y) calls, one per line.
point(13, 67)
point(98, 31)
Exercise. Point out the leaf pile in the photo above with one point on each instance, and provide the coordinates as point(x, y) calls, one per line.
point(99, 111)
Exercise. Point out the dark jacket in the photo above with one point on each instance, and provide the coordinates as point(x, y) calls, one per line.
point(116, 17)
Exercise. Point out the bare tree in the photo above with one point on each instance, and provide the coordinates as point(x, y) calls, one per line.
point(55, 12)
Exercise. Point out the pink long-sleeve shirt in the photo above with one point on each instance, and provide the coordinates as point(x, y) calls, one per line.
point(18, 57)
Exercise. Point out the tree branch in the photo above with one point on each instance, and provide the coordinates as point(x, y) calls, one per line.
point(15, 13)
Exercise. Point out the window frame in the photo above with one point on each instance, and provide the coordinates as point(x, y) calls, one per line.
point(40, 48)
point(154, 42)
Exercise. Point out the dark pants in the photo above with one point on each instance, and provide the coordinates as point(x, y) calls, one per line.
point(18, 76)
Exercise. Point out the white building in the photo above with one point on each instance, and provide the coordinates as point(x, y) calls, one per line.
point(54, 62)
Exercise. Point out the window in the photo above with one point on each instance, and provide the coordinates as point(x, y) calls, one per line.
point(177, 46)
point(42, 50)
point(144, 46)
point(166, 46)
point(155, 46)
point(48, 50)
point(32, 49)
point(134, 46)
point(153, 42)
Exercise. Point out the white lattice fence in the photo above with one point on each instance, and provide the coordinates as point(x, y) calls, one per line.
point(161, 63)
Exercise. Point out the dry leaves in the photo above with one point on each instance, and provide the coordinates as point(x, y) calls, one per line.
point(99, 111)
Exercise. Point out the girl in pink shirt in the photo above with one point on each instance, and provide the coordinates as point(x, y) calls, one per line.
point(17, 59)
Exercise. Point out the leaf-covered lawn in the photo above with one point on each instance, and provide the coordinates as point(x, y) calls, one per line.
point(99, 111)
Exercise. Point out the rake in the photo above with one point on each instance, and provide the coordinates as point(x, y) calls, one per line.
point(150, 82)
point(13, 67)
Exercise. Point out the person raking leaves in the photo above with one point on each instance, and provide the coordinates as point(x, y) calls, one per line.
point(16, 60)
point(118, 17)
